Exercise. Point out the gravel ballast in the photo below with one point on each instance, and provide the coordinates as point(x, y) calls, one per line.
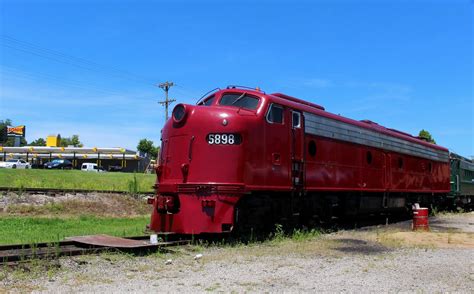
point(406, 270)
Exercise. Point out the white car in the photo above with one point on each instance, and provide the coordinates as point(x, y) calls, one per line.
point(93, 167)
point(15, 163)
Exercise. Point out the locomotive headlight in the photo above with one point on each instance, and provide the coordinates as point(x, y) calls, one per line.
point(179, 112)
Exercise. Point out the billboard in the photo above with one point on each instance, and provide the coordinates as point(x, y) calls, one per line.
point(16, 131)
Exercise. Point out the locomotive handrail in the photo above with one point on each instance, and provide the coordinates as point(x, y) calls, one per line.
point(207, 93)
point(244, 87)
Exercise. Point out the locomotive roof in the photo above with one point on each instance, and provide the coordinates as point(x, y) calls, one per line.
point(313, 108)
point(367, 124)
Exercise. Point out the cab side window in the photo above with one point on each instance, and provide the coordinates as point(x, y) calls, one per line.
point(275, 114)
point(296, 118)
point(208, 101)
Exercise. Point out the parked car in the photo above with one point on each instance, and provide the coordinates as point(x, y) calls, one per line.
point(93, 167)
point(115, 168)
point(15, 163)
point(58, 164)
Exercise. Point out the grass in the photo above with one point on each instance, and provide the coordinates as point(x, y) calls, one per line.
point(279, 235)
point(75, 179)
point(16, 230)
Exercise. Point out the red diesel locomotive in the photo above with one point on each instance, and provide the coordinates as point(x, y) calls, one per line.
point(243, 159)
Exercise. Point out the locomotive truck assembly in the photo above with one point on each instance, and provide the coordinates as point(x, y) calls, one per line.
point(242, 159)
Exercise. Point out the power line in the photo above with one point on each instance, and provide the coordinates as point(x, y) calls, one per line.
point(55, 80)
point(58, 56)
point(30, 48)
point(44, 52)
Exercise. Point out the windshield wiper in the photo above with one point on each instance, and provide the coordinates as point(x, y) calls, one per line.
point(240, 98)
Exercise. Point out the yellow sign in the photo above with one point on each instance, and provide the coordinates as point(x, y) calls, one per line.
point(53, 141)
point(16, 131)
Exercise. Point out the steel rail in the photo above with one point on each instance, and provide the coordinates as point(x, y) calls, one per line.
point(56, 191)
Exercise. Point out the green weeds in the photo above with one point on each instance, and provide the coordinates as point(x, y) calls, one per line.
point(133, 186)
point(279, 235)
point(295, 235)
point(27, 230)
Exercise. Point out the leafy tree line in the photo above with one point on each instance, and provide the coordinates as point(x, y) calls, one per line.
point(71, 141)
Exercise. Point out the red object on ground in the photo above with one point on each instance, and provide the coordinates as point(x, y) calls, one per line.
point(420, 219)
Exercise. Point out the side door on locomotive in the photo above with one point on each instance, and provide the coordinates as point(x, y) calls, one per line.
point(297, 149)
point(285, 147)
point(277, 163)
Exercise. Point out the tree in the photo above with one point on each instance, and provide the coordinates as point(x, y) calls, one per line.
point(11, 140)
point(425, 135)
point(154, 152)
point(38, 142)
point(3, 130)
point(7, 122)
point(75, 141)
point(148, 148)
point(71, 141)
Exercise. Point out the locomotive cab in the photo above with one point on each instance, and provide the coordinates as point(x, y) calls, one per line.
point(205, 160)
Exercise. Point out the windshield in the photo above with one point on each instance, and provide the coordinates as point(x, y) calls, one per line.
point(239, 100)
point(57, 161)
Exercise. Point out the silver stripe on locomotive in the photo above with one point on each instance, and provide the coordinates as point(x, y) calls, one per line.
point(330, 128)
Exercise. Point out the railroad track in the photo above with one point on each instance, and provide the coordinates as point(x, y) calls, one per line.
point(53, 191)
point(14, 254)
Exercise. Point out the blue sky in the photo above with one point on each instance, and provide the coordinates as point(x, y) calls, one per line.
point(404, 64)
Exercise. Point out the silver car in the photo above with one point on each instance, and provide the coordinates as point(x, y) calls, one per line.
point(15, 163)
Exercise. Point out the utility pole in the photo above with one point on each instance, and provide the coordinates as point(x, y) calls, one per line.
point(166, 86)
